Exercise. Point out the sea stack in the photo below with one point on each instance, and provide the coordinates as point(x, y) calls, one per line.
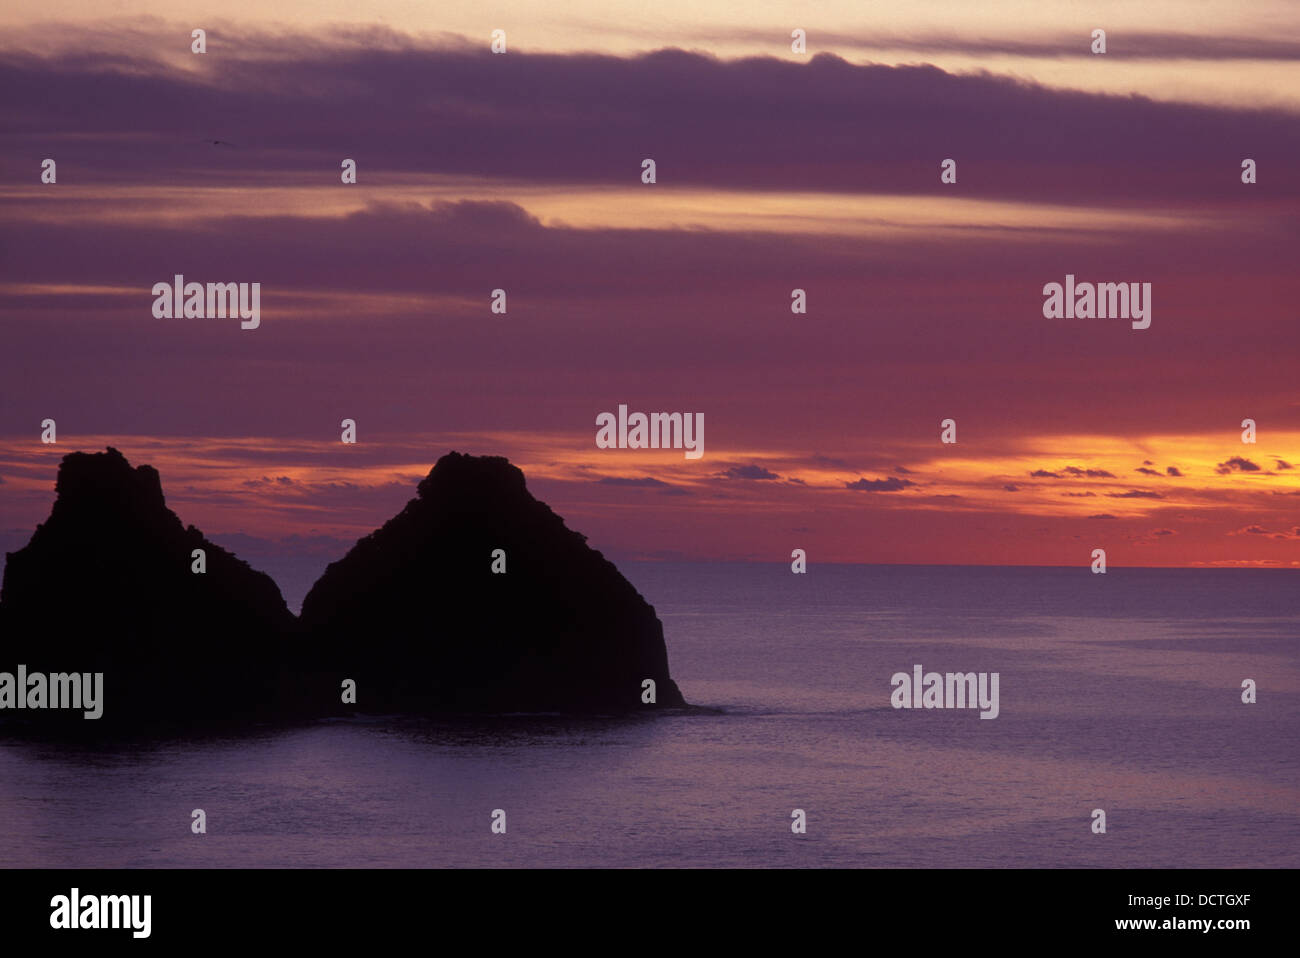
point(476, 597)
point(107, 585)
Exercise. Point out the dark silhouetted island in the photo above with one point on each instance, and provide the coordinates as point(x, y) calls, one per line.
point(415, 614)
point(106, 585)
point(475, 598)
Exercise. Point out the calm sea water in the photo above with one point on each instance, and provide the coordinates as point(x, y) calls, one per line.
point(1119, 692)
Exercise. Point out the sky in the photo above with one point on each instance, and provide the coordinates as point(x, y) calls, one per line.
point(775, 171)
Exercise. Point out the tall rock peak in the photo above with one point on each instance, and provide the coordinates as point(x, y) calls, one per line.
point(422, 607)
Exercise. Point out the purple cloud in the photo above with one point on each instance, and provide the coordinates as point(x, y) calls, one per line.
point(1238, 464)
point(748, 472)
point(892, 484)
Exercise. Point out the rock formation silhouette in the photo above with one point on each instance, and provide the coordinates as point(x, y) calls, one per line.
point(413, 614)
point(105, 585)
point(416, 616)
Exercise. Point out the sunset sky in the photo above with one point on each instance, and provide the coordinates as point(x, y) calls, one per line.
point(775, 171)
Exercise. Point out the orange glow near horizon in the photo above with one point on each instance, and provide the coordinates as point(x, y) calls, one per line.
point(272, 487)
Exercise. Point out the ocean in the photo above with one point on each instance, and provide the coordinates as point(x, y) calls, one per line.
point(1120, 692)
